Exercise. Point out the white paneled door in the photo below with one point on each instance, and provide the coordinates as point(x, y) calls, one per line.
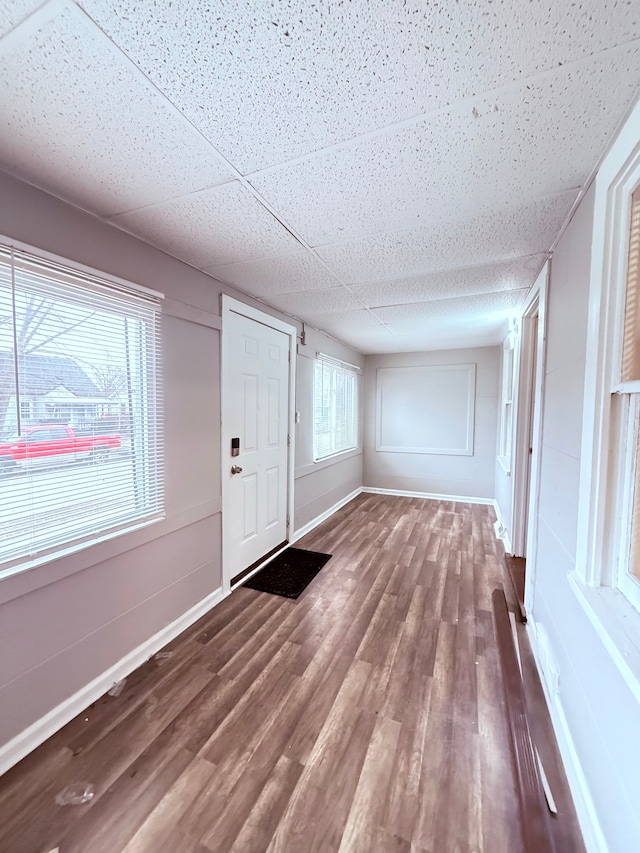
point(255, 437)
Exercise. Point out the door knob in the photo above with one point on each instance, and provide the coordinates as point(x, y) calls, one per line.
point(236, 469)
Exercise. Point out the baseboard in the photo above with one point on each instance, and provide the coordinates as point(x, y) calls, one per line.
point(29, 739)
point(307, 528)
point(465, 499)
point(593, 837)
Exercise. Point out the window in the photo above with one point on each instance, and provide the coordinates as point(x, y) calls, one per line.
point(625, 414)
point(80, 408)
point(606, 579)
point(506, 411)
point(335, 407)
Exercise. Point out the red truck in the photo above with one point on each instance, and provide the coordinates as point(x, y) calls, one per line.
point(49, 444)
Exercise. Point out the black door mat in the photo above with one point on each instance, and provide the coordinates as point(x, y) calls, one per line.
point(289, 573)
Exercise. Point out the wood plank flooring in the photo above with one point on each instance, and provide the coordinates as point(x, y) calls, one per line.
point(517, 567)
point(365, 717)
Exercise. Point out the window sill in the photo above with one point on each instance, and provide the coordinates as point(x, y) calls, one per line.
point(505, 464)
point(311, 467)
point(26, 578)
point(617, 623)
point(75, 547)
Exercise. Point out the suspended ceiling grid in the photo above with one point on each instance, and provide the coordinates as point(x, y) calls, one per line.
point(392, 173)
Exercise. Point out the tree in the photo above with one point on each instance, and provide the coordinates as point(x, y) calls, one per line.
point(110, 378)
point(38, 323)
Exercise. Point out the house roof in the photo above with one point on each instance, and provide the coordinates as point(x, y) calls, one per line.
point(44, 373)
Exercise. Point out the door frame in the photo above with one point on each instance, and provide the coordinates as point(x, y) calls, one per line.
point(526, 404)
point(526, 475)
point(230, 305)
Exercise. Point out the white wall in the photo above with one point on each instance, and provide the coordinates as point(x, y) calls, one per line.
point(465, 476)
point(602, 717)
point(65, 623)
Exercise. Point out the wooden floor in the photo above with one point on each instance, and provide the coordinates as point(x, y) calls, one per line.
point(517, 567)
point(365, 717)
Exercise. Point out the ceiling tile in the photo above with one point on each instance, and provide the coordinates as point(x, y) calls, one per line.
point(341, 320)
point(413, 181)
point(436, 335)
point(284, 273)
point(216, 226)
point(468, 321)
point(537, 139)
point(80, 121)
point(510, 233)
point(270, 81)
point(464, 311)
point(366, 339)
point(359, 329)
point(12, 12)
point(309, 306)
point(508, 275)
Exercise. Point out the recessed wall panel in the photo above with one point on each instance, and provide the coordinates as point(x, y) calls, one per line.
point(250, 486)
point(273, 412)
point(274, 353)
point(250, 383)
point(251, 347)
point(273, 496)
point(426, 409)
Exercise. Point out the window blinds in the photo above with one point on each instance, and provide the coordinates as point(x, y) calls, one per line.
point(80, 407)
point(335, 409)
point(630, 368)
point(630, 363)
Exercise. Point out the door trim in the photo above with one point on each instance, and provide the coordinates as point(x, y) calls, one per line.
point(526, 406)
point(530, 409)
point(229, 306)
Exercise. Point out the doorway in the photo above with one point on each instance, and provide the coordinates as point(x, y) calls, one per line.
point(258, 369)
point(528, 441)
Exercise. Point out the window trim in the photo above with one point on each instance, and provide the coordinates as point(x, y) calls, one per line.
point(628, 430)
point(613, 616)
point(507, 402)
point(611, 218)
point(356, 372)
point(19, 568)
point(45, 255)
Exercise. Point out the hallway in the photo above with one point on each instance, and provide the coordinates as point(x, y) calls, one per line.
point(365, 717)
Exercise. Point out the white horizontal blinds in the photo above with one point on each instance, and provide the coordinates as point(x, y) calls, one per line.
point(335, 412)
point(631, 333)
point(81, 451)
point(506, 426)
point(321, 411)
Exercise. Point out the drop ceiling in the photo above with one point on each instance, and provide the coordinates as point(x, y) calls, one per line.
point(392, 173)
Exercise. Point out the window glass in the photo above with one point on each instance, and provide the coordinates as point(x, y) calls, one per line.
point(85, 354)
point(506, 414)
point(634, 554)
point(624, 473)
point(58, 433)
point(8, 410)
point(335, 410)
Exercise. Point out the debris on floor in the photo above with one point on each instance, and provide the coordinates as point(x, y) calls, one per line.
point(118, 687)
point(76, 794)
